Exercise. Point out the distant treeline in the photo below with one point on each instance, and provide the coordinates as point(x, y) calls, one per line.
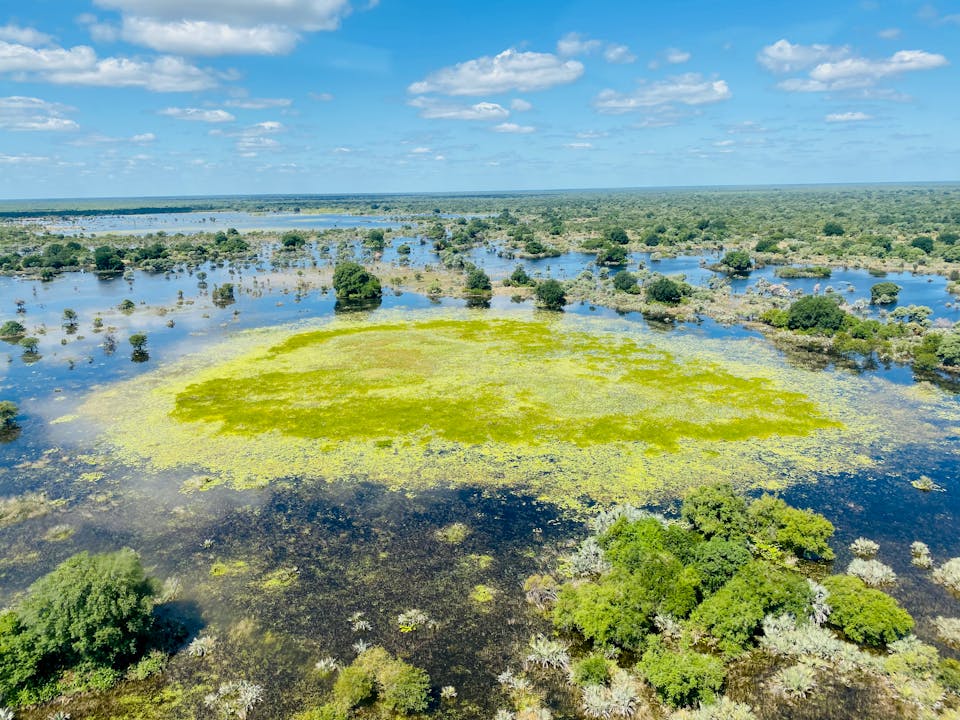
point(93, 212)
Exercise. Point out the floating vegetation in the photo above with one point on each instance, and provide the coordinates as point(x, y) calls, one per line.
point(483, 594)
point(414, 403)
point(926, 484)
point(873, 572)
point(201, 646)
point(454, 533)
point(236, 567)
point(920, 555)
point(279, 579)
point(326, 666)
point(414, 619)
point(948, 575)
point(547, 653)
point(59, 533)
point(15, 510)
point(795, 682)
point(358, 623)
point(448, 692)
point(234, 699)
point(864, 548)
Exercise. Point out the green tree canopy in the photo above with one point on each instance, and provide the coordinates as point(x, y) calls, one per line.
point(551, 295)
point(352, 281)
point(815, 312)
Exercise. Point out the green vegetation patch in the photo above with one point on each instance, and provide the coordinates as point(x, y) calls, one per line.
point(556, 404)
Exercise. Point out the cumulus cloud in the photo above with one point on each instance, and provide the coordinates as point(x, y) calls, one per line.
point(225, 27)
point(24, 36)
point(511, 70)
point(80, 66)
point(434, 110)
point(33, 114)
point(688, 89)
point(23, 159)
point(520, 105)
point(198, 115)
point(847, 117)
point(618, 54)
point(579, 146)
point(259, 103)
point(858, 72)
point(676, 57)
point(785, 57)
point(509, 127)
point(205, 37)
point(889, 33)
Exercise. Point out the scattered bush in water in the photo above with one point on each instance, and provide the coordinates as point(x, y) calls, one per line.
point(948, 351)
point(866, 616)
point(796, 681)
point(948, 631)
point(519, 278)
point(788, 272)
point(376, 676)
point(873, 572)
point(11, 330)
point(234, 699)
point(664, 290)
point(478, 281)
point(551, 295)
point(920, 554)
point(737, 262)
point(864, 548)
point(8, 414)
point(626, 282)
point(815, 312)
point(884, 293)
point(948, 575)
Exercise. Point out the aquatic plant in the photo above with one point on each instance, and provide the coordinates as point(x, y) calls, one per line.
point(873, 572)
point(361, 646)
point(504, 714)
point(414, 619)
point(588, 560)
point(6, 714)
point(171, 590)
point(326, 666)
point(202, 646)
point(540, 591)
point(667, 626)
point(723, 709)
point(454, 533)
point(547, 653)
point(920, 555)
point(864, 548)
point(604, 519)
point(819, 607)
point(483, 594)
point(796, 681)
point(358, 623)
point(948, 631)
point(926, 484)
point(59, 715)
point(235, 698)
point(948, 575)
point(448, 692)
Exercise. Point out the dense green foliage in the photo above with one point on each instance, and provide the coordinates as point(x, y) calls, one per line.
point(12, 329)
point(884, 293)
point(737, 262)
point(682, 677)
point(519, 278)
point(551, 295)
point(664, 290)
point(8, 413)
point(478, 281)
point(376, 676)
point(626, 282)
point(865, 615)
point(616, 235)
point(815, 312)
point(92, 611)
point(351, 281)
point(948, 349)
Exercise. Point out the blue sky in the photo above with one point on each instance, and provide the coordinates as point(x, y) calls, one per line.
point(194, 97)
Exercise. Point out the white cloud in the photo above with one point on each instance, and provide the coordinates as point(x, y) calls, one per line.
point(575, 44)
point(198, 115)
point(509, 127)
point(22, 159)
point(579, 146)
point(143, 138)
point(889, 33)
point(421, 151)
point(30, 113)
point(591, 134)
point(321, 97)
point(225, 27)
point(203, 37)
point(618, 54)
point(259, 103)
point(80, 66)
point(676, 57)
point(342, 150)
point(688, 89)
point(785, 57)
point(847, 117)
point(433, 110)
point(859, 73)
point(101, 32)
point(510, 70)
point(520, 105)
point(24, 36)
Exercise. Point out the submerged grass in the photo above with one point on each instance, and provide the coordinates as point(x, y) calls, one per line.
point(558, 405)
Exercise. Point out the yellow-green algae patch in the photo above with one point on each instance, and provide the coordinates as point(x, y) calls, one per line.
point(565, 407)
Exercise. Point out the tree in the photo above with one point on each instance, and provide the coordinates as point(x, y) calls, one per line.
point(737, 262)
point(611, 255)
point(833, 229)
point(223, 295)
point(664, 290)
point(767, 245)
point(865, 615)
point(815, 312)
point(625, 282)
point(717, 510)
point(519, 278)
point(682, 677)
point(551, 295)
point(351, 281)
point(375, 240)
point(292, 240)
point(8, 414)
point(478, 281)
point(69, 318)
point(802, 532)
point(91, 609)
point(11, 329)
point(30, 345)
point(949, 350)
point(107, 259)
point(884, 293)
point(616, 235)
point(923, 242)
point(138, 341)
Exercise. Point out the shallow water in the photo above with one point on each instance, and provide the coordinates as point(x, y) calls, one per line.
point(357, 546)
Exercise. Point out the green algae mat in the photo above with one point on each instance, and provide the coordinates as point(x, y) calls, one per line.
point(567, 408)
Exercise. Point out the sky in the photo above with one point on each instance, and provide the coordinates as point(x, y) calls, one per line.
point(102, 98)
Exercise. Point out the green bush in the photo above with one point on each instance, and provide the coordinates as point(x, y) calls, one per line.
point(478, 281)
point(519, 278)
point(775, 317)
point(924, 243)
point(948, 350)
point(664, 290)
point(949, 674)
point(351, 281)
point(8, 413)
point(717, 510)
point(400, 687)
point(550, 295)
point(737, 262)
point(354, 685)
point(611, 255)
point(833, 229)
point(592, 670)
point(625, 282)
point(865, 615)
point(292, 240)
point(802, 532)
point(768, 245)
point(682, 678)
point(616, 235)
point(718, 560)
point(329, 711)
point(815, 312)
point(12, 329)
point(884, 293)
